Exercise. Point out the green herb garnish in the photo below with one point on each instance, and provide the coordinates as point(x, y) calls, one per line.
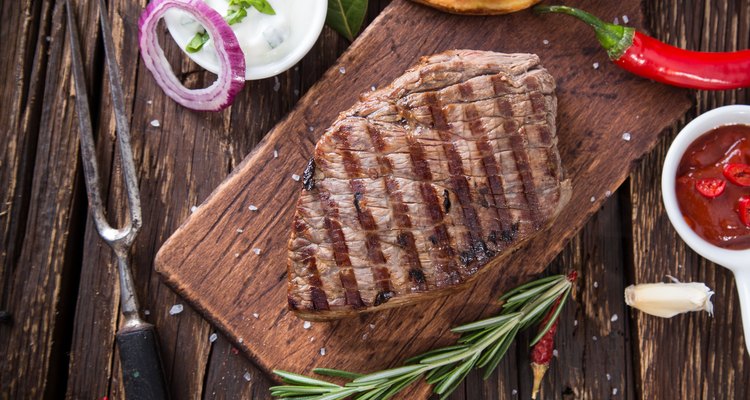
point(236, 13)
point(482, 345)
point(197, 42)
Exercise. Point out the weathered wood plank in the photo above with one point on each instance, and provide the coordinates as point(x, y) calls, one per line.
point(43, 243)
point(688, 356)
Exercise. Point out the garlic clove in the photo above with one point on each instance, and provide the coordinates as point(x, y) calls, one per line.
point(669, 299)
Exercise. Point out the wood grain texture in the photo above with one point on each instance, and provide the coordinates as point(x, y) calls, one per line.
point(39, 239)
point(689, 358)
point(210, 260)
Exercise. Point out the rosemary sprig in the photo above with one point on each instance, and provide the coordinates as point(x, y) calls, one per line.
point(482, 345)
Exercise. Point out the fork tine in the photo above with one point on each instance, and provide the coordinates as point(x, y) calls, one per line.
point(88, 154)
point(121, 119)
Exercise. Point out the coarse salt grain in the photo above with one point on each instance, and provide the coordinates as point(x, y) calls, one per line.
point(149, 102)
point(514, 392)
point(213, 337)
point(555, 353)
point(616, 21)
point(593, 199)
point(155, 123)
point(614, 318)
point(295, 177)
point(310, 128)
point(193, 209)
point(372, 326)
point(307, 325)
point(614, 391)
point(253, 207)
point(312, 338)
point(276, 84)
point(625, 19)
point(596, 284)
point(608, 193)
point(609, 377)
point(275, 153)
point(256, 251)
point(322, 351)
point(595, 65)
point(241, 340)
point(594, 338)
point(256, 315)
point(176, 309)
point(575, 322)
point(545, 41)
point(626, 136)
point(146, 312)
point(247, 376)
point(236, 255)
point(373, 88)
point(240, 230)
point(342, 70)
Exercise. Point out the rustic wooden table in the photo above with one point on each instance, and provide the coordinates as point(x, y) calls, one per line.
point(58, 280)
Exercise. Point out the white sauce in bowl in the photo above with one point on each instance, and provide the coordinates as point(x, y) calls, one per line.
point(271, 43)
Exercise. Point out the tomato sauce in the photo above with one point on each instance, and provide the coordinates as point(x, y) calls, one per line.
point(712, 186)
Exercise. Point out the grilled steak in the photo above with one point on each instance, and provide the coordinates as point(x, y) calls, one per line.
point(426, 182)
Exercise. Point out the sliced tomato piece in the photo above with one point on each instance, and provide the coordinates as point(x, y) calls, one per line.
point(743, 208)
point(710, 187)
point(737, 173)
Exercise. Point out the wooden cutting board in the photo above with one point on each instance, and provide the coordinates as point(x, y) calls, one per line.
point(211, 260)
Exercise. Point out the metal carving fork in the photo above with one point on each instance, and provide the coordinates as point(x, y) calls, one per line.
point(139, 355)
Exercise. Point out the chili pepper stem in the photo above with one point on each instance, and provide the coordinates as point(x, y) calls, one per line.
point(614, 38)
point(539, 371)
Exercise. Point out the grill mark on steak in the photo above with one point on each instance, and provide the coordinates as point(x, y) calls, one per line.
point(340, 250)
point(375, 255)
point(491, 169)
point(317, 294)
point(460, 185)
point(404, 238)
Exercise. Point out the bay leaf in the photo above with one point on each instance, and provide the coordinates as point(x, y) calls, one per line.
point(346, 16)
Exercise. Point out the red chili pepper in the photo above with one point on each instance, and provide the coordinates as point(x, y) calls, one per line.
point(743, 208)
point(710, 187)
point(652, 59)
point(543, 350)
point(739, 174)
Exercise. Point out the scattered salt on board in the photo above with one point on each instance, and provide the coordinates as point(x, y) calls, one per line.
point(176, 309)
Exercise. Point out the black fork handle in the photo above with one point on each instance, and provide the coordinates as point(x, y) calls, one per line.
point(142, 374)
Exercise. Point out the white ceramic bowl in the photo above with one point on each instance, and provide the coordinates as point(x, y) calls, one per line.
point(306, 22)
point(738, 261)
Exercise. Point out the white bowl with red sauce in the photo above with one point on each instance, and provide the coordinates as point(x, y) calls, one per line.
point(732, 249)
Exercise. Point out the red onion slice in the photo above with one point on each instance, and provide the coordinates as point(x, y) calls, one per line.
point(231, 76)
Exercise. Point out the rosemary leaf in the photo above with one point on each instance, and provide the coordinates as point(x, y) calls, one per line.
point(495, 360)
point(485, 323)
point(531, 284)
point(290, 377)
point(389, 373)
point(337, 373)
point(290, 389)
point(441, 350)
point(552, 319)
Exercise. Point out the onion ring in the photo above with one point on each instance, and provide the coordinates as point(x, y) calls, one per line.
point(231, 76)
